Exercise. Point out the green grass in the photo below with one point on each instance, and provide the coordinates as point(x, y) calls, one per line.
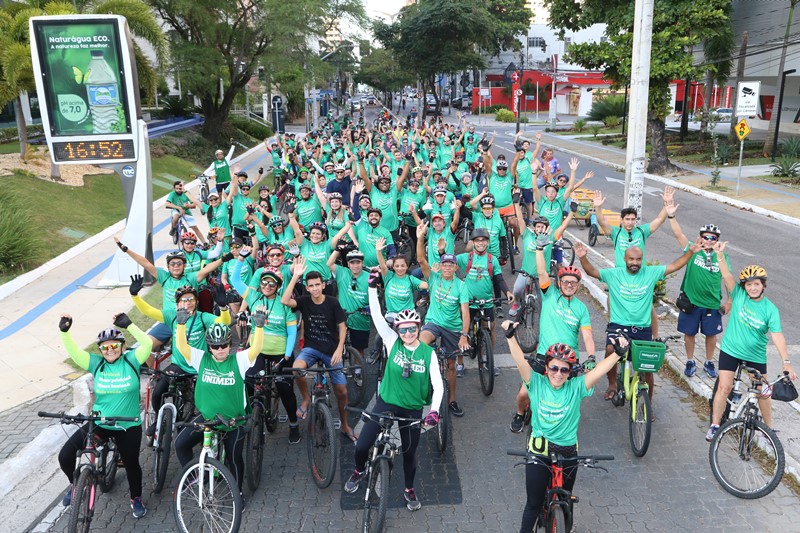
point(789, 182)
point(9, 148)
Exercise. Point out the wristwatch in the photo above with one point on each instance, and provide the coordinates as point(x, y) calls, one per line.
point(464, 334)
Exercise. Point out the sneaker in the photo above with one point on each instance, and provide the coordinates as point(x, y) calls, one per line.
point(500, 312)
point(68, 496)
point(455, 409)
point(352, 484)
point(712, 430)
point(513, 311)
point(690, 369)
point(294, 434)
point(151, 430)
point(517, 423)
point(138, 507)
point(412, 502)
point(459, 371)
point(172, 231)
point(711, 372)
point(516, 250)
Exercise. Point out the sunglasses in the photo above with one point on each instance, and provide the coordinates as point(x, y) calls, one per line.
point(110, 346)
point(234, 246)
point(218, 346)
point(175, 263)
point(557, 369)
point(409, 329)
point(269, 283)
point(571, 282)
point(189, 242)
point(188, 299)
point(275, 255)
point(710, 237)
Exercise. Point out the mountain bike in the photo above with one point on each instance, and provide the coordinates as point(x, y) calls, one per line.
point(527, 334)
point(203, 179)
point(96, 466)
point(507, 241)
point(746, 457)
point(265, 403)
point(443, 428)
point(464, 230)
point(353, 363)
point(207, 497)
point(567, 255)
point(177, 404)
point(158, 358)
point(481, 338)
point(379, 467)
point(404, 244)
point(557, 512)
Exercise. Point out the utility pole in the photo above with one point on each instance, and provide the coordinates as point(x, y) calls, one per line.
point(640, 88)
point(739, 76)
point(773, 123)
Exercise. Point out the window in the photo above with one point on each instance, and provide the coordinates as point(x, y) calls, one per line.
point(567, 41)
point(603, 39)
point(536, 42)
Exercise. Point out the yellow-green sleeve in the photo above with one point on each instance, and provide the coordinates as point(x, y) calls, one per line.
point(147, 310)
point(80, 356)
point(255, 346)
point(224, 317)
point(183, 345)
point(145, 343)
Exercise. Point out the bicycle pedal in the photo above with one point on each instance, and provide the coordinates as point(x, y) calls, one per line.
point(337, 423)
point(283, 419)
point(574, 498)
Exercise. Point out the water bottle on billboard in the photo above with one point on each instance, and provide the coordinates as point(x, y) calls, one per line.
point(103, 92)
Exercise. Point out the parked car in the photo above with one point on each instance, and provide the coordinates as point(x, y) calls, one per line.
point(462, 102)
point(355, 104)
point(430, 104)
point(723, 114)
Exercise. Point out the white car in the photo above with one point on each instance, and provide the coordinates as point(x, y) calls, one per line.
point(723, 114)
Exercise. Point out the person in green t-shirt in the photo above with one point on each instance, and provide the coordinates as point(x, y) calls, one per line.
point(317, 248)
point(368, 231)
point(216, 212)
point(179, 201)
point(220, 168)
point(630, 295)
point(752, 317)
point(555, 400)
point(196, 257)
point(307, 209)
point(116, 391)
point(351, 282)
point(489, 219)
point(524, 168)
point(398, 285)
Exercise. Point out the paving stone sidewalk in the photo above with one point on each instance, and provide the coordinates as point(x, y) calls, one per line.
point(18, 426)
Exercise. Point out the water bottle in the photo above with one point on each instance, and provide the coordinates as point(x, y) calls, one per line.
point(103, 92)
point(736, 396)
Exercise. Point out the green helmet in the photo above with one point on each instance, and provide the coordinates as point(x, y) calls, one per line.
point(218, 334)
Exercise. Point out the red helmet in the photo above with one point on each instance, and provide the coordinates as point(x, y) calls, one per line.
point(569, 270)
point(188, 236)
point(562, 352)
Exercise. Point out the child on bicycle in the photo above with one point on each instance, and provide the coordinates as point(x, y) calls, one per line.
point(412, 368)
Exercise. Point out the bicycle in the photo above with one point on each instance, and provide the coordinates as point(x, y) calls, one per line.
point(379, 468)
point(404, 244)
point(159, 357)
point(557, 512)
point(353, 363)
point(643, 356)
point(445, 417)
point(746, 456)
point(204, 190)
point(507, 241)
point(99, 471)
point(207, 496)
point(176, 404)
point(527, 334)
point(180, 228)
point(464, 230)
point(567, 255)
point(265, 403)
point(481, 338)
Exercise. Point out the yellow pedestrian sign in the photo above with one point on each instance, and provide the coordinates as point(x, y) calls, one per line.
point(742, 129)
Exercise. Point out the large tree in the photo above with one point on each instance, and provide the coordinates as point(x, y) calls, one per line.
point(678, 25)
point(382, 71)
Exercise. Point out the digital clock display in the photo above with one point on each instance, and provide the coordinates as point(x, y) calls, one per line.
point(93, 150)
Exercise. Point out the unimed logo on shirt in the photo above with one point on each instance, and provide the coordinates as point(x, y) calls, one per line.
point(213, 377)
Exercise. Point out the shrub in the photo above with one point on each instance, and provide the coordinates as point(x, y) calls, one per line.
point(251, 127)
point(724, 152)
point(504, 115)
point(786, 167)
point(176, 106)
point(595, 129)
point(523, 120)
point(11, 134)
point(612, 121)
point(579, 125)
point(611, 106)
point(790, 147)
point(494, 108)
point(21, 244)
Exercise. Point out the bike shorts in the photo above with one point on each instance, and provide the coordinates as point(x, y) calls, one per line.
point(527, 196)
point(707, 321)
point(449, 338)
point(310, 356)
point(359, 339)
point(731, 363)
point(489, 313)
point(506, 211)
point(635, 333)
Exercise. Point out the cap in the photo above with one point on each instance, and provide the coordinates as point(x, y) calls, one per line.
point(447, 258)
point(437, 215)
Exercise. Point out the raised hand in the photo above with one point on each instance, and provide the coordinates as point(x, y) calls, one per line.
point(137, 280)
point(598, 199)
point(121, 320)
point(380, 244)
point(671, 207)
point(580, 249)
point(588, 175)
point(573, 163)
point(64, 323)
point(260, 316)
point(697, 245)
point(669, 192)
point(538, 136)
point(422, 229)
point(299, 267)
point(720, 246)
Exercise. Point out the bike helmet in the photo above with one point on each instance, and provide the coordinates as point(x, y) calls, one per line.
point(407, 315)
point(246, 185)
point(551, 183)
point(502, 164)
point(569, 270)
point(375, 210)
point(355, 255)
point(188, 236)
point(710, 228)
point(176, 255)
point(218, 334)
point(465, 175)
point(276, 246)
point(439, 190)
point(263, 188)
point(749, 273)
point(241, 173)
point(327, 164)
point(416, 169)
point(437, 172)
point(460, 153)
point(487, 200)
point(186, 289)
point(303, 169)
point(110, 334)
point(274, 275)
point(562, 352)
point(480, 233)
point(305, 185)
point(339, 168)
point(540, 220)
point(275, 221)
point(335, 196)
point(320, 226)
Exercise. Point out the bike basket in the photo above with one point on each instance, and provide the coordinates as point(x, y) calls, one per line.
point(647, 356)
point(584, 209)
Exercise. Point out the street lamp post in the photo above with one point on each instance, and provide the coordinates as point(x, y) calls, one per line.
point(778, 118)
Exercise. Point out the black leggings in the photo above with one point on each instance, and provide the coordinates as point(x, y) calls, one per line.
point(128, 443)
point(409, 438)
point(537, 481)
point(232, 440)
point(284, 386)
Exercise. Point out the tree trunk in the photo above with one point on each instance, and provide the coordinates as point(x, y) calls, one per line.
point(659, 162)
point(709, 89)
point(773, 121)
point(423, 100)
point(22, 129)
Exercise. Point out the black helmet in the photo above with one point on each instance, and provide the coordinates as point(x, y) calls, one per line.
point(218, 334)
point(186, 289)
point(110, 334)
point(478, 233)
point(176, 255)
point(540, 220)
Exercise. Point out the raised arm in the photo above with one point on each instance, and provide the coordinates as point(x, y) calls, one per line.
point(387, 333)
point(422, 230)
point(78, 355)
point(580, 250)
point(727, 275)
point(298, 233)
point(598, 202)
point(140, 260)
point(680, 262)
point(671, 208)
point(667, 196)
point(564, 225)
point(380, 244)
point(341, 233)
point(297, 272)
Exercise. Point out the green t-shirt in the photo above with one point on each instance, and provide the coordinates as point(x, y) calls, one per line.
point(284, 238)
point(494, 225)
point(623, 240)
point(529, 253)
point(116, 388)
point(219, 216)
point(179, 199)
point(387, 203)
point(316, 258)
point(255, 279)
point(446, 298)
point(471, 149)
point(631, 295)
point(561, 320)
point(413, 392)
point(399, 291)
point(478, 280)
point(279, 317)
point(196, 328)
point(469, 192)
point(412, 202)
point(557, 411)
point(169, 285)
point(308, 211)
point(702, 280)
point(433, 243)
point(500, 187)
point(220, 386)
point(525, 171)
point(240, 203)
point(748, 325)
point(247, 269)
point(194, 260)
point(222, 171)
point(367, 237)
point(552, 211)
point(353, 297)
point(445, 208)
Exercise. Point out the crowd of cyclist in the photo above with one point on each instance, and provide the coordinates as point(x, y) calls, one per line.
point(356, 222)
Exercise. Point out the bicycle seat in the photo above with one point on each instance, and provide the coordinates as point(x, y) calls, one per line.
point(390, 318)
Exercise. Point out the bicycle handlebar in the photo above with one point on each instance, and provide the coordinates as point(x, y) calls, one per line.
point(167, 374)
point(382, 416)
point(586, 459)
point(211, 424)
point(74, 419)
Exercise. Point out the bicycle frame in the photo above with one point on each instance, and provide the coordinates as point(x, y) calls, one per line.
point(210, 447)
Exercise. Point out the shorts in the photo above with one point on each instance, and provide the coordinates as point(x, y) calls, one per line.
point(449, 339)
point(489, 313)
point(222, 186)
point(635, 333)
point(707, 321)
point(506, 211)
point(359, 339)
point(731, 363)
point(310, 357)
point(190, 221)
point(160, 332)
point(527, 196)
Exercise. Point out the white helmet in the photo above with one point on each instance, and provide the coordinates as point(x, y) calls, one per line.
point(339, 168)
point(407, 315)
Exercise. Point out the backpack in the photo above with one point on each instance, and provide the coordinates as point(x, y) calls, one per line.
point(620, 233)
point(488, 260)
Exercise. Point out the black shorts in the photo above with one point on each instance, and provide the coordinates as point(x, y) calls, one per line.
point(635, 333)
point(359, 339)
point(488, 312)
point(731, 363)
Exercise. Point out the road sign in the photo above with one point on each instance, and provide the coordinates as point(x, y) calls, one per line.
point(742, 130)
point(747, 98)
point(518, 92)
point(484, 92)
point(515, 77)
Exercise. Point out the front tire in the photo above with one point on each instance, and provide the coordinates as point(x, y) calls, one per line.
point(640, 424)
point(510, 241)
point(222, 502)
point(254, 448)
point(485, 361)
point(525, 333)
point(443, 428)
point(162, 451)
point(109, 459)
point(593, 232)
point(82, 506)
point(321, 444)
point(557, 520)
point(357, 384)
point(567, 252)
point(376, 499)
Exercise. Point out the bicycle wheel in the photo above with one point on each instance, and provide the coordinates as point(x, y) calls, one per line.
point(82, 506)
point(640, 424)
point(525, 333)
point(485, 361)
point(161, 457)
point(108, 461)
point(405, 247)
point(510, 241)
point(725, 412)
point(556, 520)
point(254, 448)
point(221, 509)
point(747, 458)
point(376, 499)
point(443, 428)
point(321, 444)
point(593, 232)
point(204, 193)
point(271, 418)
point(357, 383)
point(567, 252)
